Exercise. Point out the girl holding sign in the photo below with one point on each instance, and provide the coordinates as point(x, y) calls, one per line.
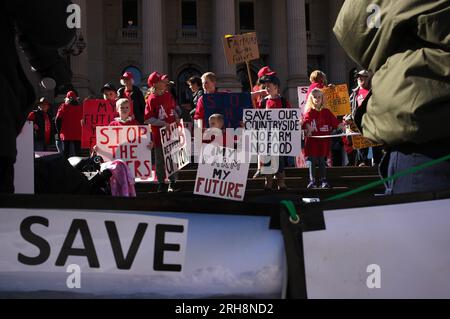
point(273, 101)
point(318, 121)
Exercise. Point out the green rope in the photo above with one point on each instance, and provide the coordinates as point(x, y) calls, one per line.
point(289, 205)
point(393, 177)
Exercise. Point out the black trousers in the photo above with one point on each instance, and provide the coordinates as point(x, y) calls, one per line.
point(6, 175)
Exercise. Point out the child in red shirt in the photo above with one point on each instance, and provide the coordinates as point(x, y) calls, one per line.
point(124, 119)
point(273, 101)
point(318, 121)
point(160, 112)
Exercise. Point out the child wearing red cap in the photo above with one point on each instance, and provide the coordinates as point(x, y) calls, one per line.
point(160, 112)
point(68, 124)
point(318, 121)
point(274, 101)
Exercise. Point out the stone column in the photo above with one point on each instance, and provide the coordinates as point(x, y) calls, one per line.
point(153, 37)
point(297, 46)
point(279, 43)
point(224, 23)
point(338, 73)
point(80, 64)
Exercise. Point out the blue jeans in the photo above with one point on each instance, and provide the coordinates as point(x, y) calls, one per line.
point(432, 179)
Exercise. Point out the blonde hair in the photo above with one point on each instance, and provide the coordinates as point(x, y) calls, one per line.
point(209, 76)
point(318, 77)
point(309, 103)
point(121, 102)
point(217, 117)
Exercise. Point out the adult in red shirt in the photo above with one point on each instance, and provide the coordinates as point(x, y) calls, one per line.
point(318, 121)
point(160, 112)
point(209, 83)
point(132, 92)
point(44, 127)
point(68, 124)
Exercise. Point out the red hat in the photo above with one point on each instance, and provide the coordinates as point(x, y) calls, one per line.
point(71, 95)
point(165, 77)
point(265, 71)
point(127, 76)
point(154, 78)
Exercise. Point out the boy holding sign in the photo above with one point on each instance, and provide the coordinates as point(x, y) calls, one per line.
point(274, 101)
point(160, 112)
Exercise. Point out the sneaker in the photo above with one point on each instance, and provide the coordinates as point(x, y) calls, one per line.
point(312, 184)
point(325, 185)
point(173, 188)
point(161, 188)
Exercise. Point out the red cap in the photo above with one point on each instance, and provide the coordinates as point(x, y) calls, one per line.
point(165, 77)
point(265, 71)
point(154, 78)
point(127, 76)
point(71, 95)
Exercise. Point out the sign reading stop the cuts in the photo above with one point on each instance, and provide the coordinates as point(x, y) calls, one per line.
point(222, 173)
point(175, 148)
point(130, 144)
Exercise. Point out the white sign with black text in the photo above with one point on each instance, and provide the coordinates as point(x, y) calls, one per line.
point(175, 148)
point(275, 132)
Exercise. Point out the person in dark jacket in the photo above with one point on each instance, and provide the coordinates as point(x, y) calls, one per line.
point(195, 84)
point(44, 126)
point(134, 94)
point(41, 27)
point(409, 106)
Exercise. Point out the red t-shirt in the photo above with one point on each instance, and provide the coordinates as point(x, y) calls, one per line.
point(129, 122)
point(273, 103)
point(71, 116)
point(161, 107)
point(362, 94)
point(48, 125)
point(323, 123)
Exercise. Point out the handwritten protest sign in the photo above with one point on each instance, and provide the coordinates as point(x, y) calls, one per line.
point(175, 148)
point(222, 173)
point(302, 92)
point(230, 105)
point(273, 132)
point(241, 48)
point(95, 113)
point(337, 99)
point(360, 142)
point(127, 143)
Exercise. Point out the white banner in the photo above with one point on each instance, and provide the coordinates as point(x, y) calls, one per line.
point(272, 132)
point(221, 173)
point(302, 91)
point(130, 144)
point(209, 256)
point(175, 148)
point(24, 166)
point(387, 252)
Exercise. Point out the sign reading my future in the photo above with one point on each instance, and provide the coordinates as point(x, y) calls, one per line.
point(95, 113)
point(230, 105)
point(273, 132)
point(222, 173)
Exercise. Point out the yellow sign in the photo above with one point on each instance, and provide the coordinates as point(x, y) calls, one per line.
point(241, 48)
point(360, 142)
point(337, 99)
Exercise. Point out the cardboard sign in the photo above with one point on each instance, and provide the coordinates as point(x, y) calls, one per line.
point(337, 99)
point(230, 105)
point(95, 113)
point(241, 48)
point(221, 173)
point(130, 144)
point(175, 148)
point(360, 142)
point(275, 132)
point(302, 92)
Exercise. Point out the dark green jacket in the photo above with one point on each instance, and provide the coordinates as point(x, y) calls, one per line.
point(410, 55)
